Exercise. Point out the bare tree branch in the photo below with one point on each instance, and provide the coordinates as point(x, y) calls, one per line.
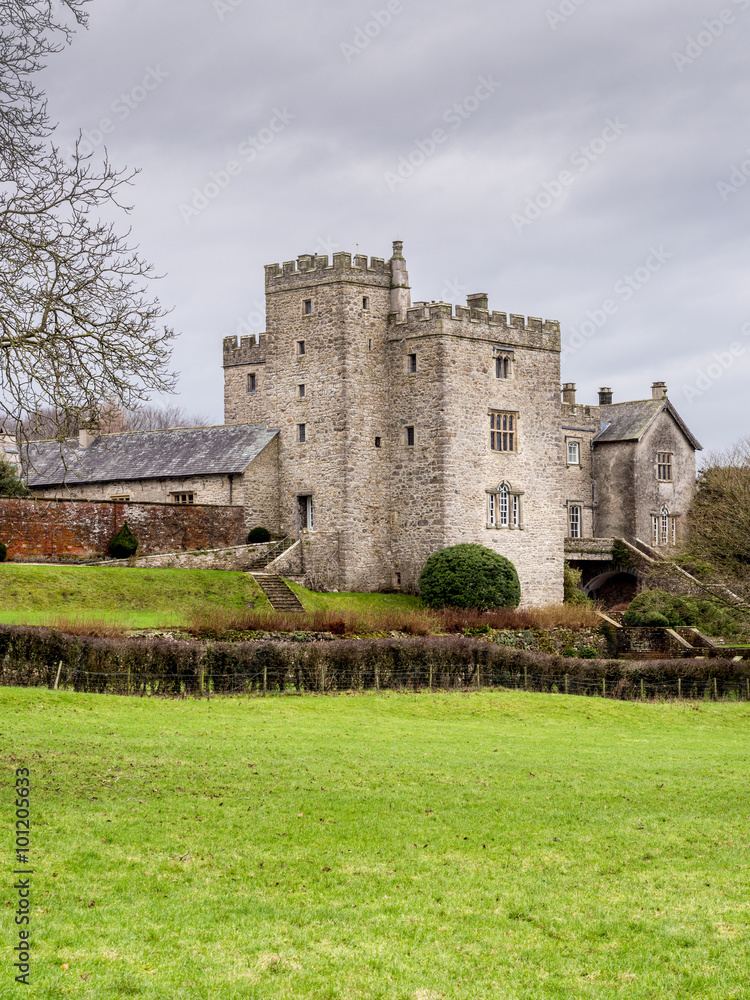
point(77, 321)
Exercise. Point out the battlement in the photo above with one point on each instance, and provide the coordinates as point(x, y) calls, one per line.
point(424, 312)
point(247, 352)
point(315, 267)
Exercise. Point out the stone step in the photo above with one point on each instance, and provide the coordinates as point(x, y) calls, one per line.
point(280, 596)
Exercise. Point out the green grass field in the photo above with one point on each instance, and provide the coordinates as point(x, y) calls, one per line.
point(313, 601)
point(132, 598)
point(393, 847)
point(150, 598)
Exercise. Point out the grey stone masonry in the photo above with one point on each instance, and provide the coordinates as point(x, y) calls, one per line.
point(384, 413)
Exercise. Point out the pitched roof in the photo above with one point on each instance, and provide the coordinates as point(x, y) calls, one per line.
point(178, 452)
point(630, 421)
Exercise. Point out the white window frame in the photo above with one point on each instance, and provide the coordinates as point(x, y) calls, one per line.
point(575, 520)
point(574, 447)
point(504, 507)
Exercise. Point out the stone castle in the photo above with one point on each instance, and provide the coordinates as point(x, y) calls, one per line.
point(407, 427)
point(377, 431)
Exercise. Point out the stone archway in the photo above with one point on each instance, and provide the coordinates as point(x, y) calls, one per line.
point(616, 586)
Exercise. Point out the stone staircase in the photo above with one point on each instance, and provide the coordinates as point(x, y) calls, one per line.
point(280, 596)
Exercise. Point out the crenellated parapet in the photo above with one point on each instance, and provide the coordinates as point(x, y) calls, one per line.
point(309, 269)
point(247, 352)
point(474, 322)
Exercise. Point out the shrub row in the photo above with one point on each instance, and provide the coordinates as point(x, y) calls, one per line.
point(32, 657)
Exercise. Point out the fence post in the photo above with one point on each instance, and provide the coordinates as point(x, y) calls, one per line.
point(377, 676)
point(322, 676)
point(716, 694)
point(128, 678)
point(430, 677)
point(679, 688)
point(57, 679)
point(479, 677)
point(566, 683)
point(604, 687)
point(748, 688)
point(265, 678)
point(202, 679)
point(525, 677)
point(643, 691)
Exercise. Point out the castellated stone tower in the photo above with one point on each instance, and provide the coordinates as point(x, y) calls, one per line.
point(404, 428)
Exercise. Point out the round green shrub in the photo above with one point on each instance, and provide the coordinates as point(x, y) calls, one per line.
point(124, 544)
point(258, 535)
point(3, 551)
point(654, 619)
point(469, 576)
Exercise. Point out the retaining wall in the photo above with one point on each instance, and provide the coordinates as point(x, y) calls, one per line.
point(37, 530)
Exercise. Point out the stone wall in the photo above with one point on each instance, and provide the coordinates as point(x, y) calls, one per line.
point(580, 424)
point(54, 530)
point(238, 558)
point(440, 486)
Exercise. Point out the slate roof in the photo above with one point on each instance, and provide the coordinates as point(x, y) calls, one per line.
point(178, 452)
point(630, 421)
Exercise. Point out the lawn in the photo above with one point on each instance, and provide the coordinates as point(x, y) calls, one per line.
point(394, 847)
point(313, 601)
point(133, 598)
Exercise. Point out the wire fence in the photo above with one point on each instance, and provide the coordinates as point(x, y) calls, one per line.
point(201, 683)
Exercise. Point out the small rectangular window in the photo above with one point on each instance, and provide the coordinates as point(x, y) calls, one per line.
point(377, 442)
point(664, 466)
point(302, 433)
point(369, 345)
point(183, 498)
point(410, 436)
point(503, 430)
point(302, 389)
point(411, 363)
point(124, 498)
point(300, 347)
point(574, 453)
point(574, 521)
point(365, 303)
point(502, 367)
point(251, 383)
point(308, 307)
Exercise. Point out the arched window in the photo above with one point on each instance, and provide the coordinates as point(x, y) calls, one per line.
point(664, 528)
point(504, 507)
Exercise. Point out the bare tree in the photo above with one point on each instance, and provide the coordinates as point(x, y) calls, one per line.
point(77, 323)
point(47, 423)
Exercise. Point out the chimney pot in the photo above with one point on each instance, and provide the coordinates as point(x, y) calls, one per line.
point(659, 390)
point(569, 392)
point(480, 300)
point(605, 396)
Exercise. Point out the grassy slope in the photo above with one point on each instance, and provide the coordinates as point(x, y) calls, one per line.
point(492, 845)
point(313, 601)
point(37, 595)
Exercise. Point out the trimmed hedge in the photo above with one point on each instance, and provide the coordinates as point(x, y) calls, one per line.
point(469, 576)
point(31, 657)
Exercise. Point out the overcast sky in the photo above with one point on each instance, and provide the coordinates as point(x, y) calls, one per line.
point(577, 160)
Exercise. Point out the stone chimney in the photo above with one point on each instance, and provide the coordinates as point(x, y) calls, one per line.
point(569, 393)
point(89, 432)
point(480, 300)
point(659, 390)
point(400, 290)
point(605, 396)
